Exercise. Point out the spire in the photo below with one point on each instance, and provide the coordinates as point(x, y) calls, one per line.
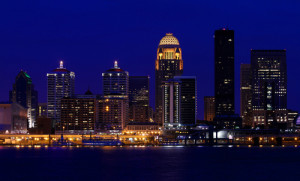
point(116, 65)
point(61, 64)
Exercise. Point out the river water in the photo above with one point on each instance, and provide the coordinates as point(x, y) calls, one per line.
point(149, 163)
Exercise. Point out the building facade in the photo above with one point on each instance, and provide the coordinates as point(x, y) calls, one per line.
point(61, 83)
point(23, 93)
point(209, 108)
point(168, 64)
point(269, 99)
point(171, 104)
point(139, 110)
point(78, 114)
point(13, 118)
point(112, 114)
point(115, 81)
point(42, 110)
point(224, 72)
point(246, 95)
point(188, 99)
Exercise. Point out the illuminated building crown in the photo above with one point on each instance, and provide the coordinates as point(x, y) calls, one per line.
point(169, 39)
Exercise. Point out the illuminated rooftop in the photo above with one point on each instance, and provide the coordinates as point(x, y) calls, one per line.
point(169, 39)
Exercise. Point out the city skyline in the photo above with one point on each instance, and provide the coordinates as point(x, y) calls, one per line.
point(91, 55)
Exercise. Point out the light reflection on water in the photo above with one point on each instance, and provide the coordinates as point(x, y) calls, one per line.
point(149, 163)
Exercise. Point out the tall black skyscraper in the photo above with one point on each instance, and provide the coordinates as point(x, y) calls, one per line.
point(139, 110)
point(224, 71)
point(269, 85)
point(224, 81)
point(23, 93)
point(168, 64)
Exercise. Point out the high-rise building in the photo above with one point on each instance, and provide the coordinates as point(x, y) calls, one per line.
point(188, 99)
point(61, 83)
point(179, 102)
point(225, 116)
point(168, 64)
point(209, 108)
point(78, 114)
point(112, 114)
point(246, 95)
point(115, 81)
point(139, 110)
point(23, 93)
point(114, 105)
point(224, 71)
point(171, 104)
point(269, 83)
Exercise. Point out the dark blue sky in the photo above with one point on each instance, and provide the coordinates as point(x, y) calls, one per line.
point(90, 35)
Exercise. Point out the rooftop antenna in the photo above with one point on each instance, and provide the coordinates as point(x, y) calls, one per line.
point(61, 64)
point(116, 65)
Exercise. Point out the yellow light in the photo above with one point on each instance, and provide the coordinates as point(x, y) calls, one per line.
point(296, 138)
point(107, 108)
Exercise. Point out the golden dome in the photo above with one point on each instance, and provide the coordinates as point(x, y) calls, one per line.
point(169, 39)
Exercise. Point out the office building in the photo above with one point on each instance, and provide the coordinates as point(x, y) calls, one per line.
point(246, 95)
point(139, 110)
point(78, 114)
point(61, 83)
point(23, 93)
point(224, 72)
point(112, 114)
point(115, 81)
point(188, 99)
point(209, 108)
point(269, 83)
point(171, 104)
point(168, 64)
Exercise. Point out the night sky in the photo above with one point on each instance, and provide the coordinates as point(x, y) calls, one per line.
point(90, 35)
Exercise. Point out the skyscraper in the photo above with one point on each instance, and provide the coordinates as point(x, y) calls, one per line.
point(115, 89)
point(225, 116)
point(188, 99)
point(61, 83)
point(139, 110)
point(246, 94)
point(269, 84)
point(23, 93)
point(209, 108)
point(171, 104)
point(224, 71)
point(168, 64)
point(179, 102)
point(115, 81)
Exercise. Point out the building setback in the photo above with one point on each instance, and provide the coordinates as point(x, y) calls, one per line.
point(61, 83)
point(269, 86)
point(209, 108)
point(23, 93)
point(139, 110)
point(168, 64)
point(246, 95)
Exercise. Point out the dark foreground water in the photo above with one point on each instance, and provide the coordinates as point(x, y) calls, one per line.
point(149, 163)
